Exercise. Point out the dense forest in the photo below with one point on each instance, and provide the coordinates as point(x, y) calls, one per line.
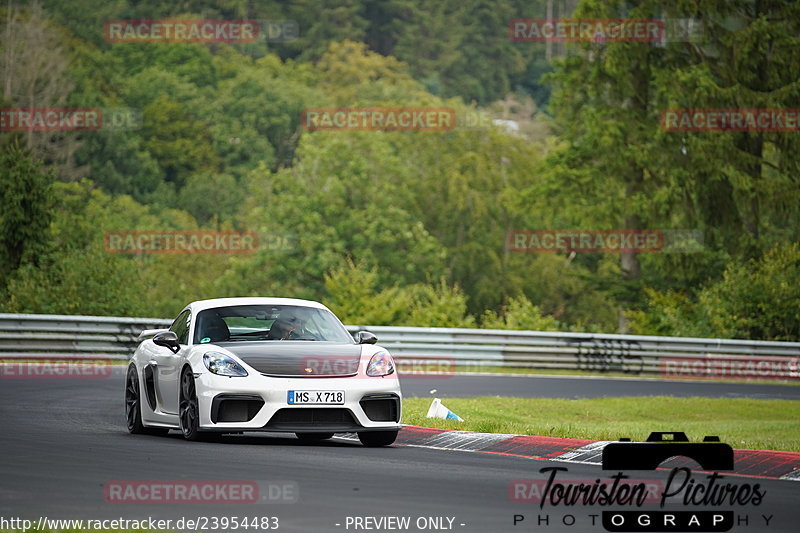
point(408, 227)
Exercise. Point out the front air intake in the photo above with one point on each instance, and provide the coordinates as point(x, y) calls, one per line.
point(381, 407)
point(235, 407)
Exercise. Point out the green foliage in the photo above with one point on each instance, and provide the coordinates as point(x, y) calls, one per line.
point(86, 281)
point(351, 74)
point(210, 195)
point(519, 313)
point(180, 144)
point(490, 48)
point(438, 306)
point(256, 116)
point(667, 313)
point(759, 299)
point(25, 210)
point(356, 299)
point(335, 20)
point(121, 164)
point(409, 228)
point(74, 274)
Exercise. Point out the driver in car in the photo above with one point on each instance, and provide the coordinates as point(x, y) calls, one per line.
point(287, 326)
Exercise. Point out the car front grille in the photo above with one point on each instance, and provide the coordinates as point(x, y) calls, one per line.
point(313, 417)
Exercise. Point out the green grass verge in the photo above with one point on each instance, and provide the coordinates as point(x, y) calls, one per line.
point(480, 369)
point(741, 422)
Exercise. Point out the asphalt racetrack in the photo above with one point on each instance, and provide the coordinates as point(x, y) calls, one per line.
point(63, 440)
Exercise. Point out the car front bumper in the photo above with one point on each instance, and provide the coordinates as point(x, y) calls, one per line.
point(234, 404)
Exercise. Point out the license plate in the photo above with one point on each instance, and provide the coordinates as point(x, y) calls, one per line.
point(316, 397)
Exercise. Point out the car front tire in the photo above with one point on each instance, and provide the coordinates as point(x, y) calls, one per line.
point(373, 439)
point(189, 414)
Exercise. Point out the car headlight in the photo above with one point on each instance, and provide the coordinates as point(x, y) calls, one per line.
point(381, 364)
point(223, 365)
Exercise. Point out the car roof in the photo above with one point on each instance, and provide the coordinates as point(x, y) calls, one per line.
point(201, 305)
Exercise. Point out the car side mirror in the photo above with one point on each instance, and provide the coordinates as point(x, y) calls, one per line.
point(365, 337)
point(167, 339)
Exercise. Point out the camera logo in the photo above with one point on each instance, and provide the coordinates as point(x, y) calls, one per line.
point(711, 454)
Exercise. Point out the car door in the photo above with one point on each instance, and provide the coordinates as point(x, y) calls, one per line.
point(168, 365)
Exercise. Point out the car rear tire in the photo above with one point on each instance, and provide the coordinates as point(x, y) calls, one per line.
point(133, 407)
point(313, 437)
point(373, 439)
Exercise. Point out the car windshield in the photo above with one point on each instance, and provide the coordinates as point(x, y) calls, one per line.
point(269, 323)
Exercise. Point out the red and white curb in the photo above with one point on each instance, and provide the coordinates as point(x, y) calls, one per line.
point(753, 463)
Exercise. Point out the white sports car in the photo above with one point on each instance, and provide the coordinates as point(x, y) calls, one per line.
point(262, 364)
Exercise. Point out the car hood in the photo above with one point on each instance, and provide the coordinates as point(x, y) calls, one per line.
point(298, 358)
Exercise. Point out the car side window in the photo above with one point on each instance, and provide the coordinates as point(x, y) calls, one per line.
point(181, 327)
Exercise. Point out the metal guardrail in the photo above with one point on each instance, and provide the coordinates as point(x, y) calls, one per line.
point(71, 336)
point(25, 336)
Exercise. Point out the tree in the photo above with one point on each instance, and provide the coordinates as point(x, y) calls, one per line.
point(210, 196)
point(519, 313)
point(353, 75)
point(484, 69)
point(744, 186)
point(34, 71)
point(120, 164)
point(180, 143)
point(340, 200)
point(25, 210)
point(256, 117)
point(758, 299)
point(354, 296)
point(620, 169)
point(428, 40)
point(334, 20)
